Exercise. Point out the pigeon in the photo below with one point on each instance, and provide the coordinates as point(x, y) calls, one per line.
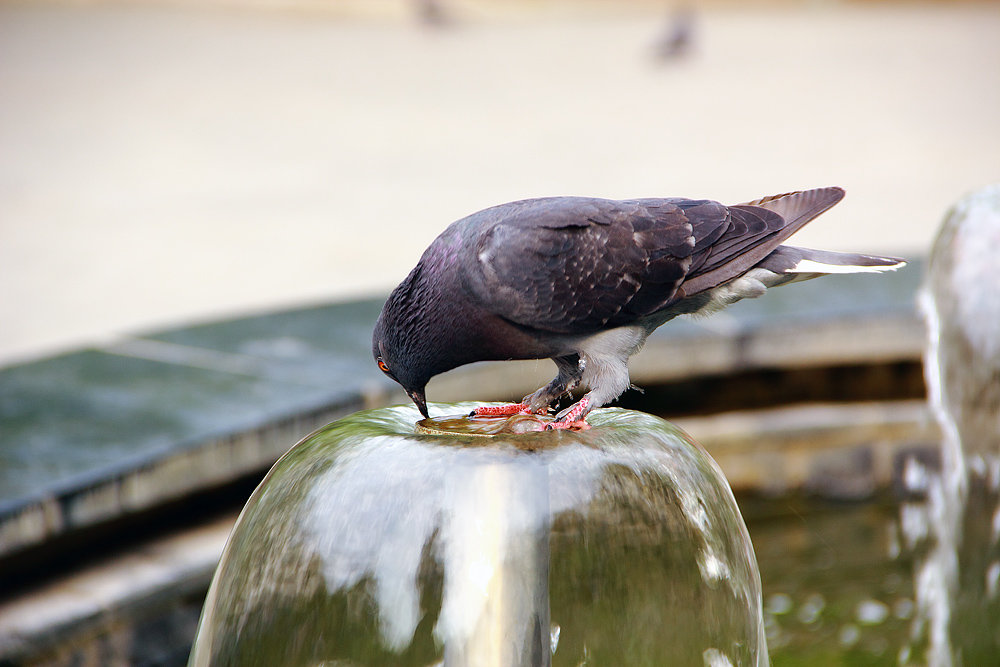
point(678, 38)
point(584, 281)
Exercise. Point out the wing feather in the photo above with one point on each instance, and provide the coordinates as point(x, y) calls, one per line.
point(576, 265)
point(783, 215)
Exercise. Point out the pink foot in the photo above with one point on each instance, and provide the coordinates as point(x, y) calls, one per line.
point(500, 410)
point(573, 417)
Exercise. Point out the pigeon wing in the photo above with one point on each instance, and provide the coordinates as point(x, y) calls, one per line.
point(577, 265)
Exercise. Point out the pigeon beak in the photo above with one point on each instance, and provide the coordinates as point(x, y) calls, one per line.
point(417, 396)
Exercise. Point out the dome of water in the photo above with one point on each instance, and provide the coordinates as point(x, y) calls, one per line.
point(458, 542)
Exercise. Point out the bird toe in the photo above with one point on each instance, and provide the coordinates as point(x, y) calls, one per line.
point(500, 410)
point(579, 425)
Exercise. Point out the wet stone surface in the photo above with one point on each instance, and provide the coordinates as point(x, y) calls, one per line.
point(94, 413)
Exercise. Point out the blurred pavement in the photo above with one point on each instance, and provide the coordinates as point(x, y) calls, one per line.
point(167, 164)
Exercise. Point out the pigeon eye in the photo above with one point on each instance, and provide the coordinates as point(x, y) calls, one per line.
point(382, 366)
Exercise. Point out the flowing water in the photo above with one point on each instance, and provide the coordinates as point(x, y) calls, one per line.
point(953, 529)
point(372, 544)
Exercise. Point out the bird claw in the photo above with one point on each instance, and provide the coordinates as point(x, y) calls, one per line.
point(501, 410)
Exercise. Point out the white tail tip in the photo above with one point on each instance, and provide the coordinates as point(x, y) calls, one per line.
point(813, 266)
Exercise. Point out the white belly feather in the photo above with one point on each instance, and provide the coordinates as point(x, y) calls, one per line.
point(604, 357)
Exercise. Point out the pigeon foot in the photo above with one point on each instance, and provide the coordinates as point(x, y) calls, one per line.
point(501, 410)
point(572, 417)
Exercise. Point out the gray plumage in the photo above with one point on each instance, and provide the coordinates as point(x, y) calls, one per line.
point(584, 281)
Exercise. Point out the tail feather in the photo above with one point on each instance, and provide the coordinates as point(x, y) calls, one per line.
point(798, 208)
point(792, 260)
point(795, 208)
point(785, 264)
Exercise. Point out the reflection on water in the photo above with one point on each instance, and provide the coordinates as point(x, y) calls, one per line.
point(369, 544)
point(954, 529)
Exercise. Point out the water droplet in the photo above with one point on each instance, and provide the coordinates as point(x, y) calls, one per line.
point(871, 612)
point(894, 547)
point(849, 635)
point(914, 521)
point(779, 603)
point(992, 579)
point(715, 658)
point(811, 609)
point(903, 608)
point(914, 475)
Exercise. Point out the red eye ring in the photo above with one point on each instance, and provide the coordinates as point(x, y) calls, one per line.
point(382, 366)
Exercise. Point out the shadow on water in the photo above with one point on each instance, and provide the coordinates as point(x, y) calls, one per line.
point(372, 544)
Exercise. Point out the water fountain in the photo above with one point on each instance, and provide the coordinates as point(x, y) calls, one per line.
point(954, 529)
point(464, 542)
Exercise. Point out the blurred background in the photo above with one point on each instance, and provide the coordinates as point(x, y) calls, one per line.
point(202, 204)
point(165, 162)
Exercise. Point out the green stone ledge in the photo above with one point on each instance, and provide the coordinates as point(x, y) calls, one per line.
point(94, 435)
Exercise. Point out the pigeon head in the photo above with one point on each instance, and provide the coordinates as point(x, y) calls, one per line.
point(430, 324)
point(415, 337)
point(393, 359)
